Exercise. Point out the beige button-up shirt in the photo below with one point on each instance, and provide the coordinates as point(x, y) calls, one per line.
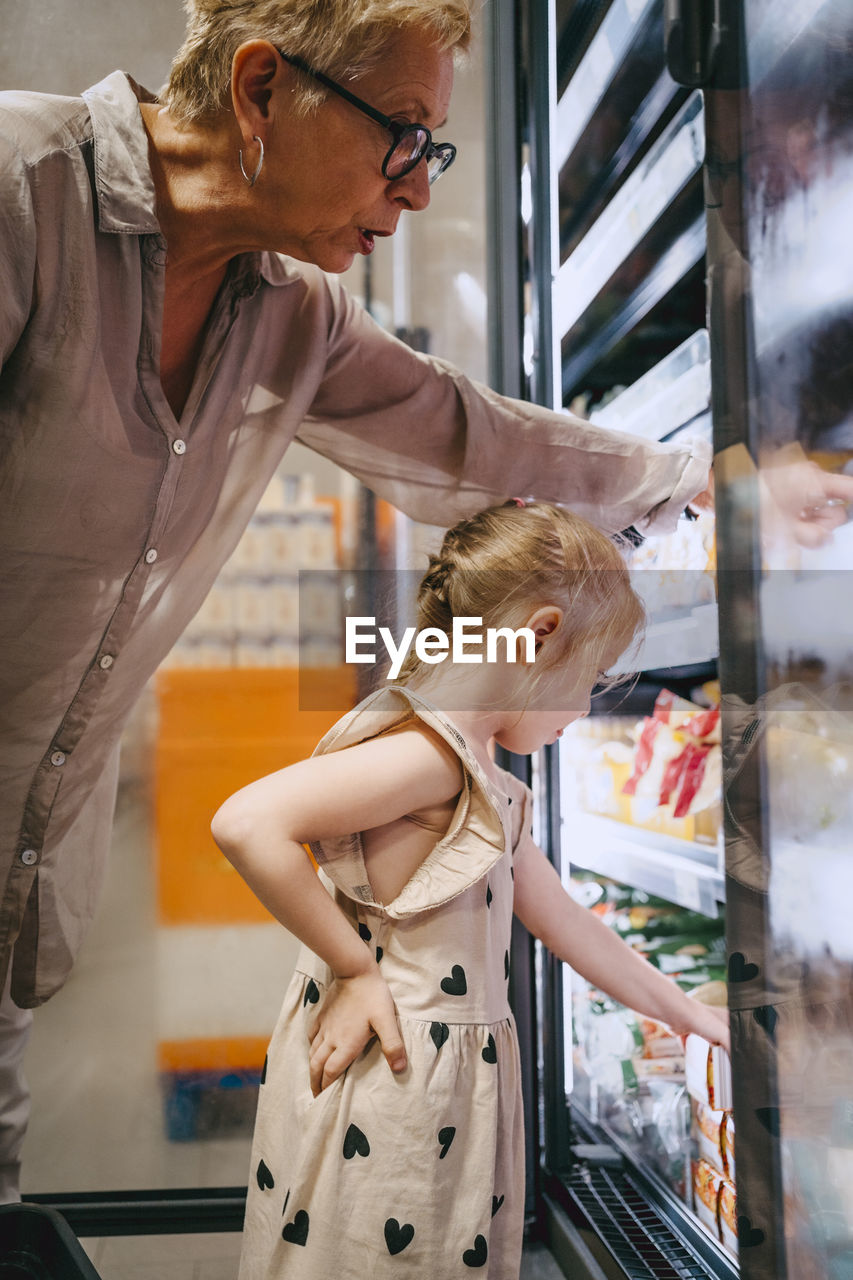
point(115, 517)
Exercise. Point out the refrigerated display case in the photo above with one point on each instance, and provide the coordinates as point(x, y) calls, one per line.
point(685, 237)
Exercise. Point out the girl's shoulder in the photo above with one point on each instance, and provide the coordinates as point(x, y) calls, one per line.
point(393, 710)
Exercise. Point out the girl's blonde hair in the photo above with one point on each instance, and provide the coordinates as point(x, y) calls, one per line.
point(343, 38)
point(503, 563)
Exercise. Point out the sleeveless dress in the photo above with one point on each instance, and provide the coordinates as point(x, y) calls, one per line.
point(421, 1174)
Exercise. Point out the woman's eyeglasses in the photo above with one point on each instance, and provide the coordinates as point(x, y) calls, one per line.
point(412, 142)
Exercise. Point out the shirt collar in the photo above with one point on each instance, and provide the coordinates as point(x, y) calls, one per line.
point(123, 181)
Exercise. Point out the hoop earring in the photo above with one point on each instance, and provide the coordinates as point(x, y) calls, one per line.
point(254, 177)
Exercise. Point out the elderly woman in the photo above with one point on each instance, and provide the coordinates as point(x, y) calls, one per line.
point(166, 330)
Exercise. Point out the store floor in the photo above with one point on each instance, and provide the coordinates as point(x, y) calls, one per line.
point(98, 1110)
point(214, 1257)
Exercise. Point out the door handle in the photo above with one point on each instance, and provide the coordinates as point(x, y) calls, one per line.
point(692, 31)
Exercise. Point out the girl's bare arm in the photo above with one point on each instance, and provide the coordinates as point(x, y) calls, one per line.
point(262, 830)
point(583, 941)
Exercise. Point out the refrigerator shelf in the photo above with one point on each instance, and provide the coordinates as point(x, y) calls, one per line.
point(632, 1230)
point(674, 392)
point(671, 270)
point(609, 47)
point(649, 1232)
point(670, 164)
point(684, 873)
point(689, 638)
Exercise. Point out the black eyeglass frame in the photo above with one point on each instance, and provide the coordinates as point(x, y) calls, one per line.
point(444, 151)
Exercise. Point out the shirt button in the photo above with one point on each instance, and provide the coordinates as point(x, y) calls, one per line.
point(106, 662)
point(58, 758)
point(150, 555)
point(28, 857)
point(179, 446)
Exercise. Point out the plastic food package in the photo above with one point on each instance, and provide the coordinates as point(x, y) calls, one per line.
point(715, 1204)
point(714, 1132)
point(709, 1073)
point(677, 760)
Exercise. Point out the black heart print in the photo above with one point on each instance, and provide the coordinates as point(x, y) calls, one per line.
point(355, 1143)
point(766, 1017)
point(284, 1206)
point(477, 1256)
point(490, 1053)
point(364, 933)
point(769, 1117)
point(312, 993)
point(456, 984)
point(398, 1236)
point(506, 964)
point(445, 1137)
point(497, 1201)
point(739, 970)
point(266, 1181)
point(747, 1235)
point(439, 1031)
point(378, 954)
point(488, 895)
point(296, 1232)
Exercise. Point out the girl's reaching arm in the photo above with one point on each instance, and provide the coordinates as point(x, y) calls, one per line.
point(583, 941)
point(262, 830)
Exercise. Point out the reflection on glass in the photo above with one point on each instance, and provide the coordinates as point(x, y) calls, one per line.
point(781, 196)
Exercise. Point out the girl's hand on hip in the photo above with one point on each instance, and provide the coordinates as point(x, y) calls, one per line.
point(355, 1010)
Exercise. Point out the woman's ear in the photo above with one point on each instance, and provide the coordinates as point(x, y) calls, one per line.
point(256, 71)
point(544, 623)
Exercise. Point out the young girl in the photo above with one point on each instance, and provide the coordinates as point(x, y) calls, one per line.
point(389, 1134)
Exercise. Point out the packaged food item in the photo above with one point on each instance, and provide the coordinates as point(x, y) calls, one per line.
point(714, 1203)
point(666, 1133)
point(714, 1132)
point(727, 1214)
point(670, 1067)
point(678, 760)
point(709, 1073)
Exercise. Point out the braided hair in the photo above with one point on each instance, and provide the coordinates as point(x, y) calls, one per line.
point(503, 562)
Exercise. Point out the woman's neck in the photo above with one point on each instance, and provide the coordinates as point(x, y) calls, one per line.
point(201, 208)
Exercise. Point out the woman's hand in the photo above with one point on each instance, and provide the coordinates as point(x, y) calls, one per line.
point(355, 1010)
point(801, 500)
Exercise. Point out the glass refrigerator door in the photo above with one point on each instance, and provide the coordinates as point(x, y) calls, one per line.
point(779, 170)
point(723, 178)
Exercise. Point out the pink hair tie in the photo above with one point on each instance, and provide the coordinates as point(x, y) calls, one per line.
point(519, 502)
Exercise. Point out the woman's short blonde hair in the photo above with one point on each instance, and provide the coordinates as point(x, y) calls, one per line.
point(505, 562)
point(343, 38)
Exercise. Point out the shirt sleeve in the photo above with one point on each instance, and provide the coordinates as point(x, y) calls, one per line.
point(440, 446)
point(17, 247)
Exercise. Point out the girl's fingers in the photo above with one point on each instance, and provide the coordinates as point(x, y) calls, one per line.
point(317, 1059)
point(390, 1041)
point(336, 1064)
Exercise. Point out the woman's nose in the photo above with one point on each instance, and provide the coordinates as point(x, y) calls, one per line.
point(412, 190)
